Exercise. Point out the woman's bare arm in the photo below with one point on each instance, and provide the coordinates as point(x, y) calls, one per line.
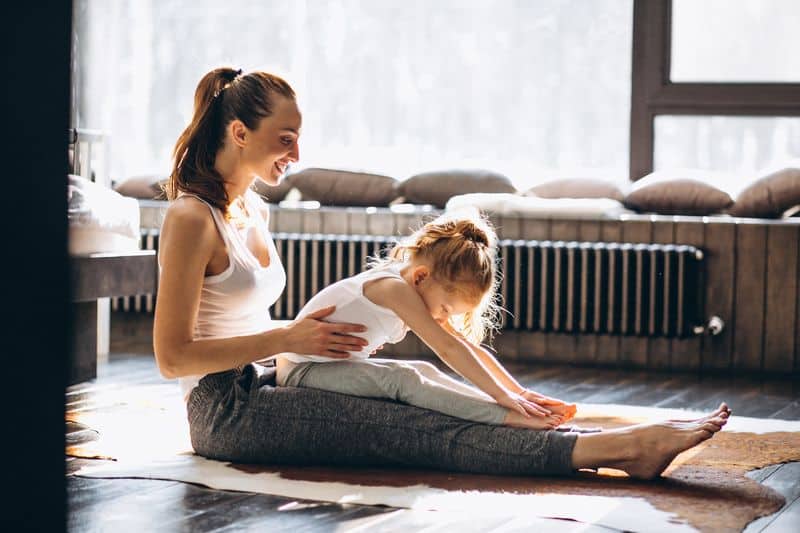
point(188, 238)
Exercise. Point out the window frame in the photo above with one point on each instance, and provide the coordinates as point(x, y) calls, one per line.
point(654, 94)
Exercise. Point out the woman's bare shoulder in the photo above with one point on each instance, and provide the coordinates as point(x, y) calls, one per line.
point(188, 214)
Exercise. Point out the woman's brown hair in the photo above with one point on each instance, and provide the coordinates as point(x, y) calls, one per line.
point(461, 249)
point(223, 95)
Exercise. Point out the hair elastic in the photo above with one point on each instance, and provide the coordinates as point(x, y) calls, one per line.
point(235, 77)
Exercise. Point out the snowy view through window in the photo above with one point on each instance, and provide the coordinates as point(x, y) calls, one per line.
point(532, 89)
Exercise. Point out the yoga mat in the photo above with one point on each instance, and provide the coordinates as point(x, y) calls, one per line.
point(142, 433)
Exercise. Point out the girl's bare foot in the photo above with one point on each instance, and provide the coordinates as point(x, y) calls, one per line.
point(515, 419)
point(645, 450)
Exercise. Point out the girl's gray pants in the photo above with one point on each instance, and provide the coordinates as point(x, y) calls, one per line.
point(241, 416)
point(413, 382)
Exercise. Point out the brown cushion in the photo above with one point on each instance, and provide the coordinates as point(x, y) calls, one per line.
point(145, 187)
point(344, 188)
point(769, 196)
point(577, 188)
point(678, 193)
point(437, 187)
point(273, 193)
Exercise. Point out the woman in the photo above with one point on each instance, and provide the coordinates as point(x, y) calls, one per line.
point(219, 274)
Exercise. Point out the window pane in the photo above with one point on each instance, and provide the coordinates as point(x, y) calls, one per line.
point(389, 86)
point(737, 145)
point(735, 40)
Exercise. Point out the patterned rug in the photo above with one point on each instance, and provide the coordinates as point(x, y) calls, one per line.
point(141, 432)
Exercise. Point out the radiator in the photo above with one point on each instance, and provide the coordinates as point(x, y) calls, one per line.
point(547, 286)
point(602, 288)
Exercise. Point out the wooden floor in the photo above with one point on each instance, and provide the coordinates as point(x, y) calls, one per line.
point(147, 505)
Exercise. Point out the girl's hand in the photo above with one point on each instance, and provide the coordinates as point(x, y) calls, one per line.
point(558, 407)
point(376, 350)
point(313, 336)
point(526, 408)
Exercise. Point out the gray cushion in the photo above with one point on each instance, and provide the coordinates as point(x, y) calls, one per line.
point(145, 187)
point(344, 188)
point(769, 196)
point(437, 187)
point(577, 188)
point(678, 193)
point(273, 193)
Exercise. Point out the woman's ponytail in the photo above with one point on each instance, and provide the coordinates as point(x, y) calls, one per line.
point(222, 95)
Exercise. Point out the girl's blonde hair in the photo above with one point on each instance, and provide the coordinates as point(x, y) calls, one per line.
point(461, 249)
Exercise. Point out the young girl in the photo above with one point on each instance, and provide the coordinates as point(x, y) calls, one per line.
point(440, 283)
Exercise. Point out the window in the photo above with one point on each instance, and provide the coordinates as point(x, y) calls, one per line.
point(713, 86)
point(523, 88)
point(739, 41)
point(733, 144)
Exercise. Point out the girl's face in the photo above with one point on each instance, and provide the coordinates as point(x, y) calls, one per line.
point(274, 143)
point(443, 300)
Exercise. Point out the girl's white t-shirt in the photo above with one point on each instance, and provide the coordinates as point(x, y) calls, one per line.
point(383, 325)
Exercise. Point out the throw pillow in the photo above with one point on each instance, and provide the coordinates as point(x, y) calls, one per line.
point(769, 196)
point(344, 188)
point(273, 193)
point(678, 193)
point(438, 187)
point(577, 188)
point(145, 187)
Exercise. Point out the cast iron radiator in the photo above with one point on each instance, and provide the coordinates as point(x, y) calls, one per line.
point(603, 288)
point(548, 286)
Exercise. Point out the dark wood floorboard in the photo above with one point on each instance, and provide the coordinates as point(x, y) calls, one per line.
point(148, 505)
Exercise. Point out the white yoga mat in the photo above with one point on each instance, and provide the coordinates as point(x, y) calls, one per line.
point(145, 431)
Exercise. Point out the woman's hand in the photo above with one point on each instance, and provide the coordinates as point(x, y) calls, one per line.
point(313, 336)
point(558, 407)
point(523, 406)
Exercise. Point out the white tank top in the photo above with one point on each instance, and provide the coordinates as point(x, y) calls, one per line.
point(236, 302)
point(383, 325)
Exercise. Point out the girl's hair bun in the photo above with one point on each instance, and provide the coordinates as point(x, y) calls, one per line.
point(472, 232)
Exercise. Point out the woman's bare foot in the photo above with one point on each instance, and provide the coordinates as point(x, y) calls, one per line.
point(723, 410)
point(515, 419)
point(645, 450)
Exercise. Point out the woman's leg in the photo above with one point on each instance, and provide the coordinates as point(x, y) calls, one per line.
point(645, 450)
point(241, 416)
point(401, 381)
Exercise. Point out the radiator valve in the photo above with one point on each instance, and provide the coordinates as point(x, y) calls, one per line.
point(715, 325)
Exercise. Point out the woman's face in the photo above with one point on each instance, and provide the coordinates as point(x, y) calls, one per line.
point(274, 143)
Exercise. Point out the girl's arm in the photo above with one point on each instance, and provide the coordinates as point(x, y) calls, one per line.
point(502, 375)
point(188, 240)
point(489, 361)
point(398, 296)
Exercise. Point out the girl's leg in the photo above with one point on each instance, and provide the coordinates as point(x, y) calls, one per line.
point(396, 380)
point(241, 416)
point(434, 374)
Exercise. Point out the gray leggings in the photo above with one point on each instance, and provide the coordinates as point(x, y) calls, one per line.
point(241, 416)
point(413, 382)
